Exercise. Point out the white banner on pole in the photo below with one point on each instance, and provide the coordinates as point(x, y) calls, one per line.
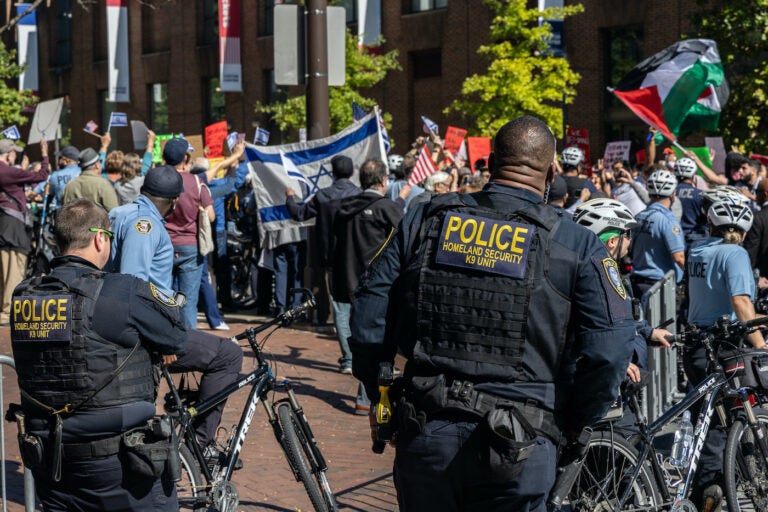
point(119, 90)
point(27, 54)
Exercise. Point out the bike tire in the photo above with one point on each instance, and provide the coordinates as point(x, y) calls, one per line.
point(745, 468)
point(608, 463)
point(293, 446)
point(191, 489)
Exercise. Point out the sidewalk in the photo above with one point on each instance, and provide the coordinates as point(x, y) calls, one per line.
point(361, 479)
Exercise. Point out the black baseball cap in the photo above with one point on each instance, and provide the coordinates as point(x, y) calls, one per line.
point(70, 152)
point(163, 181)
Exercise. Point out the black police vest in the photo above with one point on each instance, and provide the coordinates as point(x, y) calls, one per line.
point(60, 360)
point(473, 301)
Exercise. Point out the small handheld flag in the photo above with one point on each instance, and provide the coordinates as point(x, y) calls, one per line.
point(430, 126)
point(424, 167)
point(118, 119)
point(91, 127)
point(261, 136)
point(12, 133)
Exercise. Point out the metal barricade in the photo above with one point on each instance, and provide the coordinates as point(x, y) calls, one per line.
point(29, 484)
point(661, 306)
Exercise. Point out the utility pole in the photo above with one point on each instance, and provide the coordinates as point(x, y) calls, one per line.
point(318, 109)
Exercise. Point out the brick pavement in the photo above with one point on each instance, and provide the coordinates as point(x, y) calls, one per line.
point(361, 479)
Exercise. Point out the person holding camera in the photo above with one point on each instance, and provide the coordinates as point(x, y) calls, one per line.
point(83, 341)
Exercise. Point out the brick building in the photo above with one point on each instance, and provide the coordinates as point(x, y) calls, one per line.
point(174, 62)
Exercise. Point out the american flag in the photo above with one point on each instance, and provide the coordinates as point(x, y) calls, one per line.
point(424, 168)
point(91, 126)
point(358, 112)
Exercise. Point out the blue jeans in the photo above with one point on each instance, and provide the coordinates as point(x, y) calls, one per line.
point(187, 272)
point(341, 312)
point(207, 298)
point(290, 260)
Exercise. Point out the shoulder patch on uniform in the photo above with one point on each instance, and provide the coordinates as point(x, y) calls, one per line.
point(676, 230)
point(143, 226)
point(611, 269)
point(484, 244)
point(162, 297)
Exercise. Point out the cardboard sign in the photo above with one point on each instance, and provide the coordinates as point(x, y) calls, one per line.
point(579, 137)
point(157, 150)
point(139, 131)
point(196, 141)
point(716, 144)
point(215, 134)
point(616, 151)
point(45, 122)
point(478, 147)
point(453, 139)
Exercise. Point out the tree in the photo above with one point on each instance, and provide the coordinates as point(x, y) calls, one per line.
point(12, 101)
point(522, 77)
point(363, 71)
point(739, 28)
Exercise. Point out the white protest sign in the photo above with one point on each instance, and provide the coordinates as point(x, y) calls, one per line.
point(616, 151)
point(45, 121)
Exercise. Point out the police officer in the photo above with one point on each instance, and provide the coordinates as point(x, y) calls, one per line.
point(489, 292)
point(693, 221)
point(82, 341)
point(659, 245)
point(142, 247)
point(721, 282)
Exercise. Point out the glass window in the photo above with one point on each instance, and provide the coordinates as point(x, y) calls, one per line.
point(98, 13)
point(158, 107)
point(63, 51)
point(215, 102)
point(351, 9)
point(427, 5)
point(427, 64)
point(210, 24)
point(623, 50)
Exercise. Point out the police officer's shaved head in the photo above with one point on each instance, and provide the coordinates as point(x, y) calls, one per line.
point(73, 223)
point(523, 142)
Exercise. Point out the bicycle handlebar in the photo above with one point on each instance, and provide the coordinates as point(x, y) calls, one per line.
point(723, 327)
point(284, 318)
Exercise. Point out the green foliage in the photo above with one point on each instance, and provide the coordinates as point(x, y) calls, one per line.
point(739, 29)
point(522, 78)
point(363, 71)
point(12, 101)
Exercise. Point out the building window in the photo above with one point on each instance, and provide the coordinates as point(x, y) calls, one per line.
point(98, 15)
point(105, 112)
point(427, 64)
point(63, 40)
point(351, 9)
point(215, 102)
point(428, 5)
point(158, 107)
point(623, 50)
point(210, 24)
point(266, 23)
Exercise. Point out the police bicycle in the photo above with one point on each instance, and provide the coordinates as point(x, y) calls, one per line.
point(202, 486)
point(612, 474)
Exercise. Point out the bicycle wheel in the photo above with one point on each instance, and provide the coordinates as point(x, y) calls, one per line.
point(608, 466)
point(746, 470)
point(293, 442)
point(191, 488)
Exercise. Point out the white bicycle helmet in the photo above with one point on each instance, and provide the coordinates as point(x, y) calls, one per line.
point(721, 193)
point(394, 161)
point(599, 215)
point(661, 183)
point(685, 168)
point(727, 213)
point(573, 155)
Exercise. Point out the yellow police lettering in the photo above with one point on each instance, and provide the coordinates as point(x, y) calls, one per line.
point(42, 310)
point(16, 308)
point(454, 223)
point(50, 313)
point(503, 246)
point(463, 233)
point(61, 309)
point(516, 238)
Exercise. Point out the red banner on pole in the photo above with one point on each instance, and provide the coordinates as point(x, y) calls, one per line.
point(478, 147)
point(230, 69)
point(215, 134)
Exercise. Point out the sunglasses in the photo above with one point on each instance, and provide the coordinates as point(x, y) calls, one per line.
point(107, 232)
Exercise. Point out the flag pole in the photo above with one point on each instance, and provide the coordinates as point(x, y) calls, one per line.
point(92, 133)
point(379, 120)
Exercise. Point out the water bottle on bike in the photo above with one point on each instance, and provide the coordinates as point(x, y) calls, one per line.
point(681, 447)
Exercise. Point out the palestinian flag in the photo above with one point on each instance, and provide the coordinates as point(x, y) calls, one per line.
point(678, 90)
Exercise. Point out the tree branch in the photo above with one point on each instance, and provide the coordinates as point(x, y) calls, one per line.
point(14, 21)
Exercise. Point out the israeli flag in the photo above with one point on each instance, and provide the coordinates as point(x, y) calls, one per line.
point(261, 137)
point(306, 168)
point(12, 133)
point(430, 126)
point(118, 119)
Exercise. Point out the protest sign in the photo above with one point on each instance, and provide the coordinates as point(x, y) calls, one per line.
point(453, 139)
point(478, 147)
point(139, 131)
point(579, 137)
point(157, 150)
point(196, 142)
point(45, 121)
point(215, 134)
point(616, 151)
point(716, 144)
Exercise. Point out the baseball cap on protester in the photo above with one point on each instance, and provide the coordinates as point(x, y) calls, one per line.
point(88, 157)
point(174, 151)
point(557, 189)
point(70, 152)
point(7, 145)
point(163, 181)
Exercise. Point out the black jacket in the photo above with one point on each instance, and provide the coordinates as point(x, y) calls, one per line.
point(324, 206)
point(362, 225)
point(756, 242)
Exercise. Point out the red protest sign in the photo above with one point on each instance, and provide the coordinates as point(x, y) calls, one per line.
point(579, 137)
point(478, 147)
point(215, 134)
point(453, 139)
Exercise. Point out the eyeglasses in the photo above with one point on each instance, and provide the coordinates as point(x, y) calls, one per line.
point(107, 232)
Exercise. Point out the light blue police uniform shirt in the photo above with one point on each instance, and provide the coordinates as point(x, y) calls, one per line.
point(58, 180)
point(141, 246)
point(655, 239)
point(717, 272)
